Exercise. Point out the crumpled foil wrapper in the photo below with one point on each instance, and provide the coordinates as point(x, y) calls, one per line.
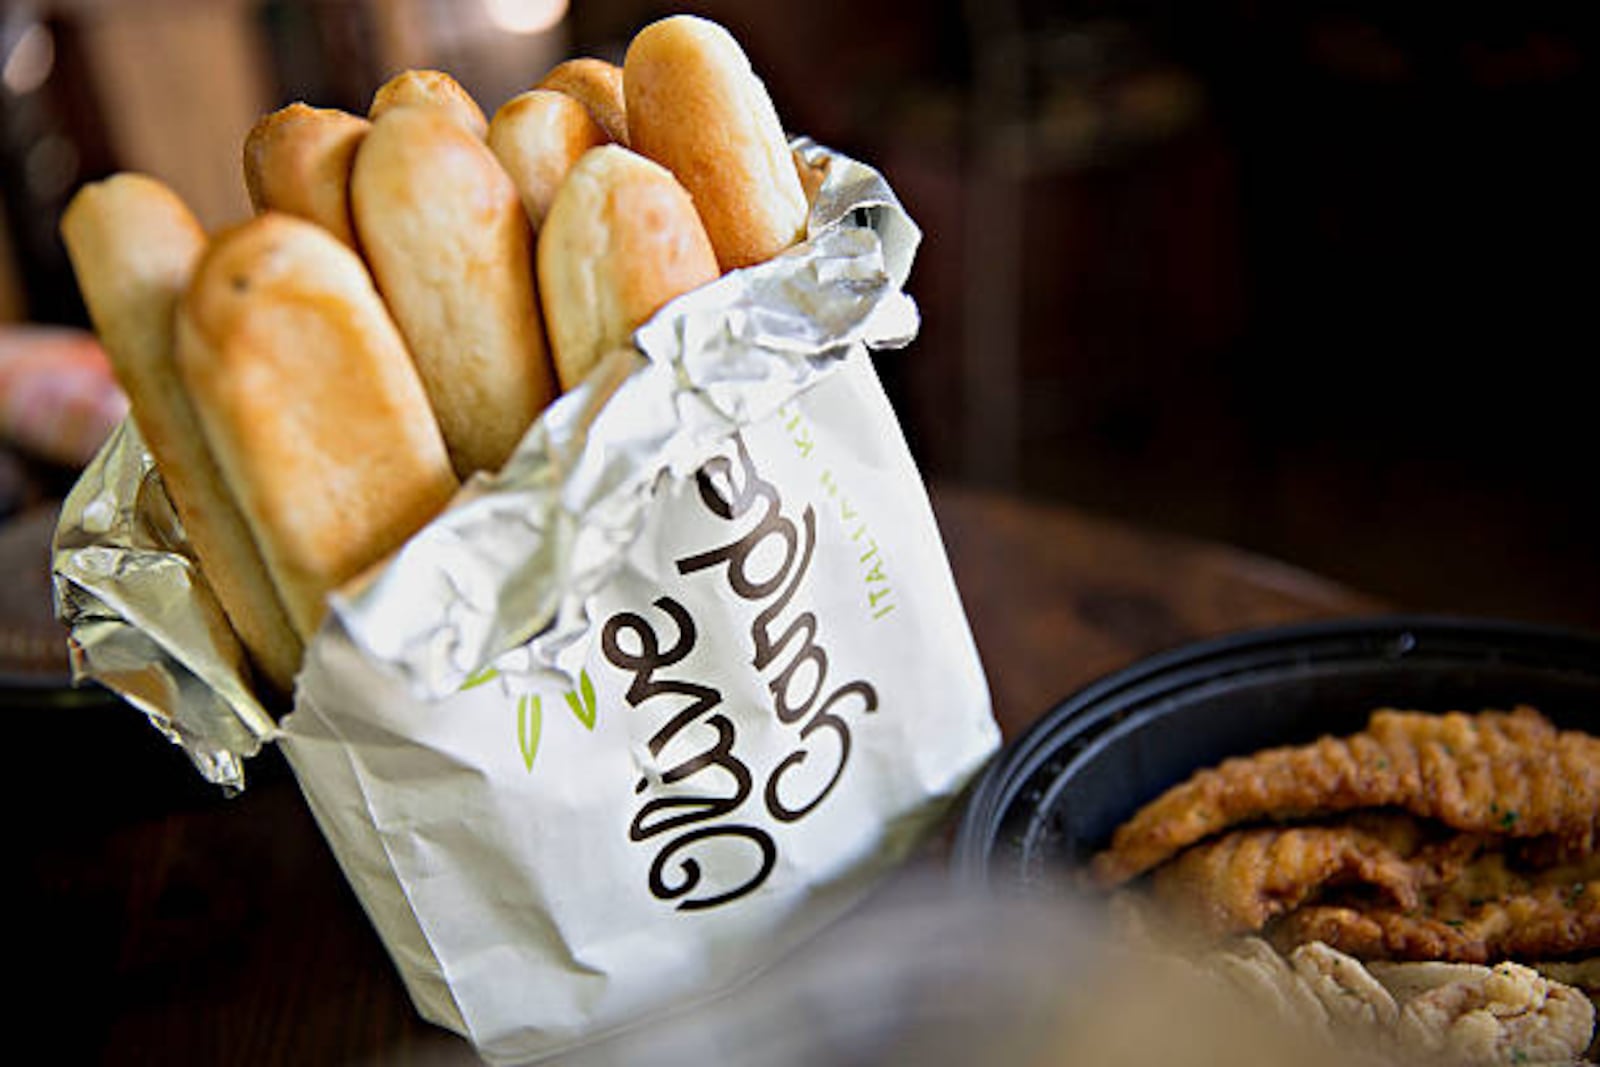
point(501, 578)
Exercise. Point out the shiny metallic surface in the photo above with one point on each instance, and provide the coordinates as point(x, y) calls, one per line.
point(143, 621)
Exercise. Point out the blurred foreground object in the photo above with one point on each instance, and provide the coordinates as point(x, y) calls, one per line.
point(58, 400)
point(927, 974)
point(933, 974)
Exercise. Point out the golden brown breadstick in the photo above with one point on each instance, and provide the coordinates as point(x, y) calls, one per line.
point(430, 88)
point(297, 160)
point(450, 246)
point(695, 107)
point(311, 404)
point(597, 85)
point(134, 245)
point(537, 137)
point(621, 239)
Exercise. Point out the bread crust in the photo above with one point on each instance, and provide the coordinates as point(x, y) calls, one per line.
point(597, 85)
point(450, 247)
point(538, 136)
point(696, 107)
point(430, 88)
point(621, 240)
point(311, 405)
point(297, 160)
point(134, 246)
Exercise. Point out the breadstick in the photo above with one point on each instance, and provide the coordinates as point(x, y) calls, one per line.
point(597, 85)
point(695, 107)
point(622, 238)
point(297, 160)
point(450, 247)
point(134, 245)
point(430, 88)
point(537, 137)
point(311, 405)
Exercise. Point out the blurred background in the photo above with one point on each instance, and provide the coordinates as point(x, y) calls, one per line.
point(1302, 277)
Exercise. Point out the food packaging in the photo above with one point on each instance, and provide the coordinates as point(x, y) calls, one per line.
point(643, 711)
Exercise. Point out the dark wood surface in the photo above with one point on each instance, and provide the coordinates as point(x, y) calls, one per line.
point(155, 921)
point(1058, 598)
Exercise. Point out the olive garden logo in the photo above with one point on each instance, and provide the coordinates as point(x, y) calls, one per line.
point(710, 807)
point(713, 810)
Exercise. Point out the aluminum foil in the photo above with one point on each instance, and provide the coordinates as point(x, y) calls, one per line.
point(143, 620)
point(502, 577)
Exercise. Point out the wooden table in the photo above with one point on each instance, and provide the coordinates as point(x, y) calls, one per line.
point(161, 923)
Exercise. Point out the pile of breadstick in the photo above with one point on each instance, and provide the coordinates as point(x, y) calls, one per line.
point(416, 286)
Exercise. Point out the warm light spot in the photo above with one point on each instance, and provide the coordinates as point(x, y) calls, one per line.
point(31, 60)
point(525, 16)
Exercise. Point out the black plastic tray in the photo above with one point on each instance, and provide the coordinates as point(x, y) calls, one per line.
point(1053, 797)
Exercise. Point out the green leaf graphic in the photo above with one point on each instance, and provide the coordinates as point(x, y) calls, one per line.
point(589, 702)
point(530, 718)
point(488, 674)
point(583, 708)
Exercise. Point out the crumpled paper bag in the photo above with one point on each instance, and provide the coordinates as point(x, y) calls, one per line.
point(642, 711)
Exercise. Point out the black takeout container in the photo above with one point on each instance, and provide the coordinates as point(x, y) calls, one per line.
point(1054, 796)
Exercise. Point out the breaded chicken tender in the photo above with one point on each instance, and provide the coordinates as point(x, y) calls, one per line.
point(1508, 773)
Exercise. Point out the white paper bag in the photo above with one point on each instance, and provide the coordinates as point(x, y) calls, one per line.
point(771, 707)
point(653, 704)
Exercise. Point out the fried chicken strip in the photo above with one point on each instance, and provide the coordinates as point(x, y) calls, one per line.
point(1544, 922)
point(1509, 773)
point(1239, 882)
